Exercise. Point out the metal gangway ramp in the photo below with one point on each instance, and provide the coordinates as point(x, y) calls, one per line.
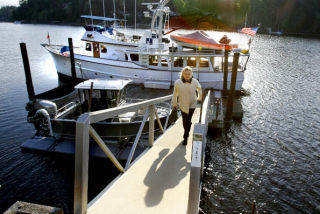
point(158, 181)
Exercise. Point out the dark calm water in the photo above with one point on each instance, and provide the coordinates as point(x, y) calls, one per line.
point(36, 178)
point(272, 157)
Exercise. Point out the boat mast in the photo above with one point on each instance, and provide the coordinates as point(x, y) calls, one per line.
point(104, 15)
point(246, 19)
point(124, 13)
point(90, 11)
point(114, 14)
point(135, 16)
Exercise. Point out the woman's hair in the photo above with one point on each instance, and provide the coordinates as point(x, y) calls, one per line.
point(184, 69)
point(187, 68)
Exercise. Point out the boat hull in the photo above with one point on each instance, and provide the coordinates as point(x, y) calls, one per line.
point(90, 68)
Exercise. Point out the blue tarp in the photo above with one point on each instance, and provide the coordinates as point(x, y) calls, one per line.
point(64, 49)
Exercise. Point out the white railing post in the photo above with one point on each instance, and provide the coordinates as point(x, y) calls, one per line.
point(81, 164)
point(151, 124)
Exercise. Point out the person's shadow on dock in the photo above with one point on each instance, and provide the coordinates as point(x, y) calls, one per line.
point(160, 178)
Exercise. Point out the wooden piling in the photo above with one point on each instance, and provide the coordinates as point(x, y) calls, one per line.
point(225, 71)
point(253, 207)
point(73, 67)
point(217, 108)
point(27, 71)
point(232, 87)
point(90, 97)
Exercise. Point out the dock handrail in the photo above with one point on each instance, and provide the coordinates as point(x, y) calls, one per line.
point(84, 129)
point(198, 156)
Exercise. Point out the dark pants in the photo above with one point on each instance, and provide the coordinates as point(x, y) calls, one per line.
point(186, 118)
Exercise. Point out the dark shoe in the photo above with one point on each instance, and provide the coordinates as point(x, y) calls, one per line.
point(185, 142)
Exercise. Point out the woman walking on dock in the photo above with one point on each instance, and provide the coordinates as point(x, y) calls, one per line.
point(185, 90)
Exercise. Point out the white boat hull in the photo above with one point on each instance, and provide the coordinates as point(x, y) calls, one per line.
point(90, 68)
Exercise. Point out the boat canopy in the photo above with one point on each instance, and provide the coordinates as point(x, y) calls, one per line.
point(104, 84)
point(108, 19)
point(97, 28)
point(200, 39)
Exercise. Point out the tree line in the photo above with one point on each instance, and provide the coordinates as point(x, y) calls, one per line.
point(296, 16)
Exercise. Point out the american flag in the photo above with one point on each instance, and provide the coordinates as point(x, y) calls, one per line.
point(250, 30)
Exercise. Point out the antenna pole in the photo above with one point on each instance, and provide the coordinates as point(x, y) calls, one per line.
point(135, 16)
point(124, 12)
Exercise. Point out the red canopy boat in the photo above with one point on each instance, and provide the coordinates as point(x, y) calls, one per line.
point(200, 39)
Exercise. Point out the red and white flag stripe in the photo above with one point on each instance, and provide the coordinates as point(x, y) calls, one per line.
point(250, 31)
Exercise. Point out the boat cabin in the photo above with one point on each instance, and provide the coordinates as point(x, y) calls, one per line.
point(106, 93)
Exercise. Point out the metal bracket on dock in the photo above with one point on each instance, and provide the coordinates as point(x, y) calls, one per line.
point(199, 132)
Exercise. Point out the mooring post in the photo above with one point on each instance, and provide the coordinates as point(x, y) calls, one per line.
point(253, 207)
point(232, 86)
point(73, 67)
point(90, 97)
point(225, 71)
point(27, 71)
point(217, 108)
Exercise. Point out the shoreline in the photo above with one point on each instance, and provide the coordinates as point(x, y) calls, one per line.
point(146, 26)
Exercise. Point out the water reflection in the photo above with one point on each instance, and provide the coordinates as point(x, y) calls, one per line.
point(271, 156)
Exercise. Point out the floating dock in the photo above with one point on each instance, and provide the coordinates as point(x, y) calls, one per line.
point(67, 147)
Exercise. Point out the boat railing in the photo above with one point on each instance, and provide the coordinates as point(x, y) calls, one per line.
point(84, 129)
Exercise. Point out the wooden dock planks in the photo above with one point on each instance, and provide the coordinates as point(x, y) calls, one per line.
point(157, 183)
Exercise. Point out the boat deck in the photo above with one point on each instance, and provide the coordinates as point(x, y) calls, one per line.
point(158, 182)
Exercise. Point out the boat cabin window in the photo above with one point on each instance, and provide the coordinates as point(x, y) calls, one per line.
point(103, 49)
point(177, 61)
point(126, 57)
point(88, 46)
point(153, 60)
point(106, 99)
point(134, 57)
point(191, 61)
point(218, 64)
point(204, 63)
point(164, 62)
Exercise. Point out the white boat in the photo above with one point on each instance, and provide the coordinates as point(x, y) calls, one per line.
point(152, 59)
